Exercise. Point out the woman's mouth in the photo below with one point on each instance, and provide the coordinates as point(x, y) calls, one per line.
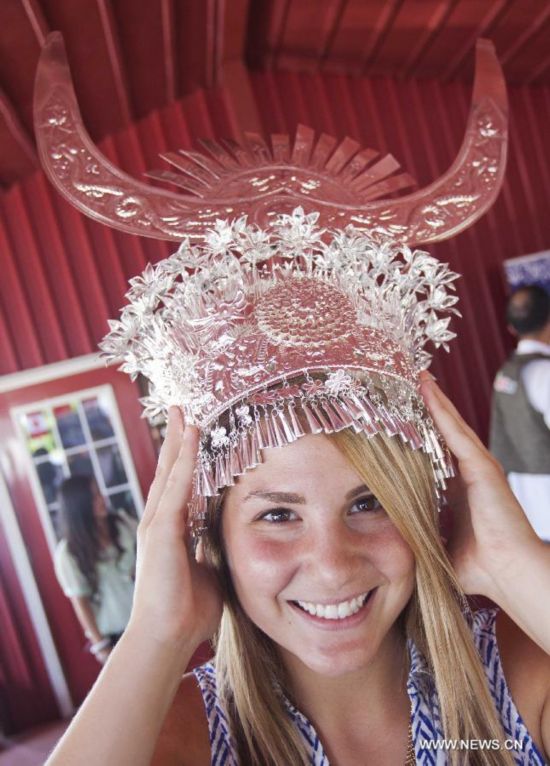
point(340, 610)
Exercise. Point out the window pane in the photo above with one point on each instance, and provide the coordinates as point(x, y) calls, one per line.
point(55, 517)
point(38, 427)
point(50, 473)
point(123, 501)
point(80, 464)
point(111, 466)
point(98, 419)
point(68, 424)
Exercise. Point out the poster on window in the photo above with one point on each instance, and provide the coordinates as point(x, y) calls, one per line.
point(529, 270)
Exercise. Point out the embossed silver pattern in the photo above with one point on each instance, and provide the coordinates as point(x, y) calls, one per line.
point(328, 332)
point(340, 181)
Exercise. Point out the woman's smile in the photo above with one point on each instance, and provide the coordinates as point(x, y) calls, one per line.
point(315, 561)
point(335, 615)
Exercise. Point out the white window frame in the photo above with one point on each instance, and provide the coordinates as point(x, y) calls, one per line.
point(106, 391)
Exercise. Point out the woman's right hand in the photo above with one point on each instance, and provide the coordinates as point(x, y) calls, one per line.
point(176, 599)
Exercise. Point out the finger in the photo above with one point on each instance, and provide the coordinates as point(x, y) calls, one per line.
point(460, 438)
point(167, 457)
point(445, 413)
point(173, 504)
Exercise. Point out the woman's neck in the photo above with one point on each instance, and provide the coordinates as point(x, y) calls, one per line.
point(103, 532)
point(375, 693)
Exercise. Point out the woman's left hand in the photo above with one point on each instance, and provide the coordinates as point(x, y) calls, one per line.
point(489, 525)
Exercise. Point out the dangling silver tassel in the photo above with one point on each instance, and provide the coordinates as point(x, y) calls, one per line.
point(246, 459)
point(223, 476)
point(255, 453)
point(270, 431)
point(342, 411)
point(235, 464)
point(227, 468)
point(285, 426)
point(406, 432)
point(370, 428)
point(351, 404)
point(321, 417)
point(260, 432)
point(427, 445)
point(294, 422)
point(205, 482)
point(438, 449)
point(218, 471)
point(197, 515)
point(198, 485)
point(415, 438)
point(336, 422)
point(389, 422)
point(313, 424)
point(367, 412)
point(280, 432)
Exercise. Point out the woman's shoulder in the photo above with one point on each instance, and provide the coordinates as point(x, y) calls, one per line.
point(184, 738)
point(61, 549)
point(527, 671)
point(124, 519)
point(127, 528)
point(518, 672)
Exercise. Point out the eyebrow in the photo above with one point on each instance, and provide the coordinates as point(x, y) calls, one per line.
point(276, 497)
point(293, 498)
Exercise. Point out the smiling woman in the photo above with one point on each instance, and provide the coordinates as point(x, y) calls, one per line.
point(332, 577)
point(294, 517)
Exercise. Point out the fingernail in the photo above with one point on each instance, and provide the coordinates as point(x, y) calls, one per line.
point(426, 375)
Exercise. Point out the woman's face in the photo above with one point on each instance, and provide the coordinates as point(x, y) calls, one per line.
point(316, 563)
point(99, 505)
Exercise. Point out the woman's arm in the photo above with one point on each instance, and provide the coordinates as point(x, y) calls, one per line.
point(176, 607)
point(493, 547)
point(86, 618)
point(120, 720)
point(496, 553)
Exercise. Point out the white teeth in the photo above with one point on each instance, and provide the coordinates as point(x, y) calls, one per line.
point(334, 611)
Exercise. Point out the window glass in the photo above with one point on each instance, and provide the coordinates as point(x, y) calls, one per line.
point(80, 464)
point(74, 436)
point(98, 419)
point(112, 467)
point(69, 425)
point(123, 501)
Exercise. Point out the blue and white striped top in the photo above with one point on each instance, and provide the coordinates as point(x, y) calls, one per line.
point(425, 714)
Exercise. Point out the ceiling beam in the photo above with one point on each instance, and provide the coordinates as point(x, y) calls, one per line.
point(19, 133)
point(231, 67)
point(116, 59)
point(168, 18)
point(495, 10)
point(524, 36)
point(538, 70)
point(36, 19)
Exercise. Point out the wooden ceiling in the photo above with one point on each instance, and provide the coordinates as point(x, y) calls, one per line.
point(130, 57)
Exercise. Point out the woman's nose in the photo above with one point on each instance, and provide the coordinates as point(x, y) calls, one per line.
point(333, 554)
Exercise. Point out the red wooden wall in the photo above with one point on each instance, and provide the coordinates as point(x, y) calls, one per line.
point(62, 276)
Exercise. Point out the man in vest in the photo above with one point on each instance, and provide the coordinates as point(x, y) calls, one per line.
point(520, 416)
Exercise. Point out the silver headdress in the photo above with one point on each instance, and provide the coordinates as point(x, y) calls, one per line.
point(282, 322)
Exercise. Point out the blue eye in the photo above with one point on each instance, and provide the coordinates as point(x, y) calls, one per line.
point(277, 516)
point(367, 503)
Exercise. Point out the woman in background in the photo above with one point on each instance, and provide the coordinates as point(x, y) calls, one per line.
point(95, 562)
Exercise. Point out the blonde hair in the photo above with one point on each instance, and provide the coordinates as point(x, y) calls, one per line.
point(251, 677)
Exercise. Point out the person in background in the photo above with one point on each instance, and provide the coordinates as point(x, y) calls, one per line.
point(520, 416)
point(95, 562)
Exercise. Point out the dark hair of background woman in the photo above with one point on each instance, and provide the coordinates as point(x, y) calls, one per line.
point(79, 526)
